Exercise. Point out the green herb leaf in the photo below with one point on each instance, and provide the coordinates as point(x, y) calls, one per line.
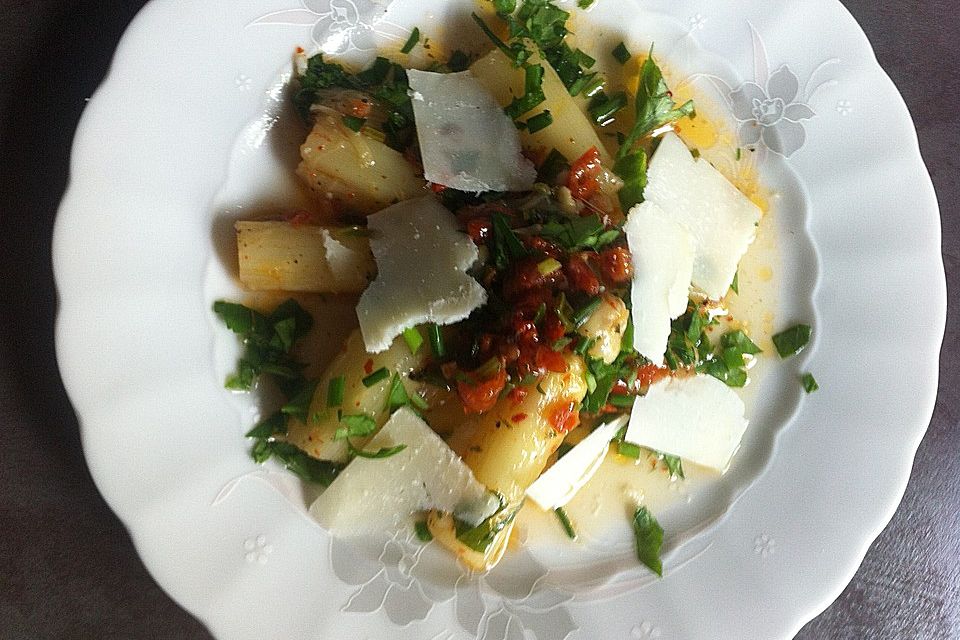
point(357, 426)
point(674, 464)
point(480, 537)
point(735, 285)
point(628, 449)
point(649, 539)
point(809, 383)
point(275, 425)
point(321, 472)
point(579, 233)
point(793, 340)
point(411, 41)
point(565, 523)
point(585, 4)
point(506, 245)
point(581, 316)
point(621, 54)
point(552, 167)
point(386, 452)
point(299, 406)
point(354, 123)
point(603, 108)
point(654, 106)
point(632, 169)
point(422, 531)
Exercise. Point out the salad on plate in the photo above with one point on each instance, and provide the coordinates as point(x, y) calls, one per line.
point(542, 265)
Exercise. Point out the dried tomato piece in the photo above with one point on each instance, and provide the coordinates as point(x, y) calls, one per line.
point(582, 179)
point(480, 396)
point(527, 275)
point(550, 360)
point(562, 415)
point(580, 276)
point(615, 265)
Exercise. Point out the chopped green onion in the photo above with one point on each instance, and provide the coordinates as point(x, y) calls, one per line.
point(603, 107)
point(411, 41)
point(565, 523)
point(621, 54)
point(436, 342)
point(413, 339)
point(335, 391)
point(548, 266)
point(540, 121)
point(739, 153)
point(354, 123)
point(377, 376)
point(628, 449)
point(793, 340)
point(581, 316)
point(809, 383)
point(532, 92)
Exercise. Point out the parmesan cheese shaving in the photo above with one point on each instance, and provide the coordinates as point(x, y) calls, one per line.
point(422, 261)
point(466, 140)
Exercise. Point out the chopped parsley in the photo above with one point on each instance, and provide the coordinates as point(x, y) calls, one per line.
point(648, 535)
point(621, 54)
point(793, 340)
point(654, 107)
point(603, 108)
point(354, 123)
point(299, 406)
point(422, 531)
point(506, 245)
point(809, 383)
point(358, 425)
point(585, 232)
point(632, 169)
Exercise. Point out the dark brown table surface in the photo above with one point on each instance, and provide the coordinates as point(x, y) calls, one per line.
point(67, 567)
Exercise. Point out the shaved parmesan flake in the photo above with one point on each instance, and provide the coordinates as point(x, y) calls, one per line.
point(422, 261)
point(558, 484)
point(721, 220)
point(375, 495)
point(466, 140)
point(698, 418)
point(663, 257)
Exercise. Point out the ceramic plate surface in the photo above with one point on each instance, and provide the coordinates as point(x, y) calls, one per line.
point(182, 140)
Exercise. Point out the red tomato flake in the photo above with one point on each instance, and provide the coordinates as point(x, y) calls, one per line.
point(581, 276)
point(481, 396)
point(650, 373)
point(517, 395)
point(550, 360)
point(479, 230)
point(562, 415)
point(615, 265)
point(368, 366)
point(582, 180)
point(520, 417)
point(361, 107)
point(437, 188)
point(553, 328)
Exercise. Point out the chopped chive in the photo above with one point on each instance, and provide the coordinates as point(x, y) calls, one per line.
point(532, 92)
point(379, 375)
point(628, 449)
point(422, 531)
point(584, 59)
point(548, 266)
point(621, 54)
point(739, 153)
point(565, 523)
point(436, 342)
point(413, 339)
point(809, 383)
point(581, 316)
point(375, 455)
point(695, 153)
point(793, 340)
point(411, 41)
point(585, 4)
point(335, 391)
point(540, 121)
point(354, 123)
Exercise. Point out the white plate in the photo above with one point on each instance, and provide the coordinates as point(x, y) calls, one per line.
point(189, 132)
